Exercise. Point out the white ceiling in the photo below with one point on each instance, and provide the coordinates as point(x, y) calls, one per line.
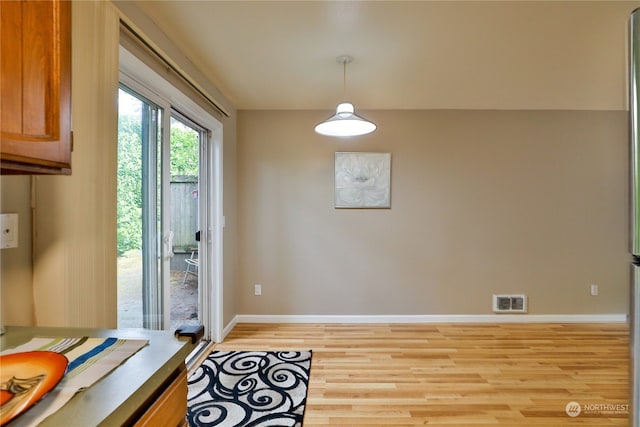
point(407, 55)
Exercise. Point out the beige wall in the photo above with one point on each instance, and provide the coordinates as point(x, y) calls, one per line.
point(16, 272)
point(483, 202)
point(74, 276)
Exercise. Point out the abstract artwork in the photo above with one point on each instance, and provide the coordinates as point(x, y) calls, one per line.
point(363, 180)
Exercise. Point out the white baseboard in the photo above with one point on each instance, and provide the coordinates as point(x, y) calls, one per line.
point(229, 327)
point(430, 318)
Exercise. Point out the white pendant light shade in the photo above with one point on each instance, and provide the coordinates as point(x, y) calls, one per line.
point(345, 123)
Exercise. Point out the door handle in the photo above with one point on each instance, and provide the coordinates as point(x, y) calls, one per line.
point(168, 245)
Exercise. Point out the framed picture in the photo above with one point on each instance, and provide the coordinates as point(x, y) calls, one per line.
point(363, 180)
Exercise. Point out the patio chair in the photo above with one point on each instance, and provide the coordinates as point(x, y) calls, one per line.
point(192, 266)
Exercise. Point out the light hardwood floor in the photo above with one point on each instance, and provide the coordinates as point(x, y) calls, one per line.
point(455, 374)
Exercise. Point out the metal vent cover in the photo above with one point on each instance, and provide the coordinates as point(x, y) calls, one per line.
point(510, 303)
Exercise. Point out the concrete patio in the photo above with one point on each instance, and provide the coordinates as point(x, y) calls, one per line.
point(184, 298)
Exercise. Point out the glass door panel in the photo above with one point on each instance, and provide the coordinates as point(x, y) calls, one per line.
point(139, 216)
point(184, 190)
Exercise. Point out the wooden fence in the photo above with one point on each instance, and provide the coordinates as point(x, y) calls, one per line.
point(184, 212)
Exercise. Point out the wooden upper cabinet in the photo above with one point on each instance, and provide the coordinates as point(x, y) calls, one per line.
point(35, 87)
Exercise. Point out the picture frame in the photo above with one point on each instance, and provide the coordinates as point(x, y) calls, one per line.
point(362, 180)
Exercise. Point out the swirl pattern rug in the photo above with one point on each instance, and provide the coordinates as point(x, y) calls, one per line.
point(249, 389)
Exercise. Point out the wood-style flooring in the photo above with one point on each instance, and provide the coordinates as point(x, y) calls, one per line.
point(455, 374)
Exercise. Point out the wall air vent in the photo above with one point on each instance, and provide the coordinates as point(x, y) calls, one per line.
point(510, 303)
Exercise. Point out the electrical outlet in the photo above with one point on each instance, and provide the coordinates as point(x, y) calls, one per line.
point(8, 231)
point(257, 289)
point(593, 289)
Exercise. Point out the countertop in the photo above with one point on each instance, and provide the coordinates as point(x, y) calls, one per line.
point(115, 398)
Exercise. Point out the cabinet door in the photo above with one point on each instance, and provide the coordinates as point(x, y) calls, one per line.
point(35, 86)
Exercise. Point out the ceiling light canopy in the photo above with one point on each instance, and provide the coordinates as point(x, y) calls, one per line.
point(345, 122)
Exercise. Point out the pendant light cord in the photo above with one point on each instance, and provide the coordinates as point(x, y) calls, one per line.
point(344, 80)
point(344, 60)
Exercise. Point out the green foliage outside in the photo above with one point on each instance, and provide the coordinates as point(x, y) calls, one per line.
point(184, 150)
point(129, 215)
point(184, 161)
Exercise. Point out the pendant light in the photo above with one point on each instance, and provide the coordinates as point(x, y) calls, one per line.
point(345, 122)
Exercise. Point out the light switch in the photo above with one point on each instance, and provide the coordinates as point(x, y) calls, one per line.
point(8, 231)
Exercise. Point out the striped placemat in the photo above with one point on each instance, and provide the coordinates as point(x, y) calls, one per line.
point(89, 360)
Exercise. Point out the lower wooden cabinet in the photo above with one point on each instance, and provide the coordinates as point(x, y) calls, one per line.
point(170, 408)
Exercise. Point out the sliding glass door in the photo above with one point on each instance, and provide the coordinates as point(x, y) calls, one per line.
point(160, 274)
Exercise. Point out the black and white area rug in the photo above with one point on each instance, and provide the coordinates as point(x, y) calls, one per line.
point(249, 389)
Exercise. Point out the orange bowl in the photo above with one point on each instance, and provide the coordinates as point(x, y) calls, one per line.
point(25, 378)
